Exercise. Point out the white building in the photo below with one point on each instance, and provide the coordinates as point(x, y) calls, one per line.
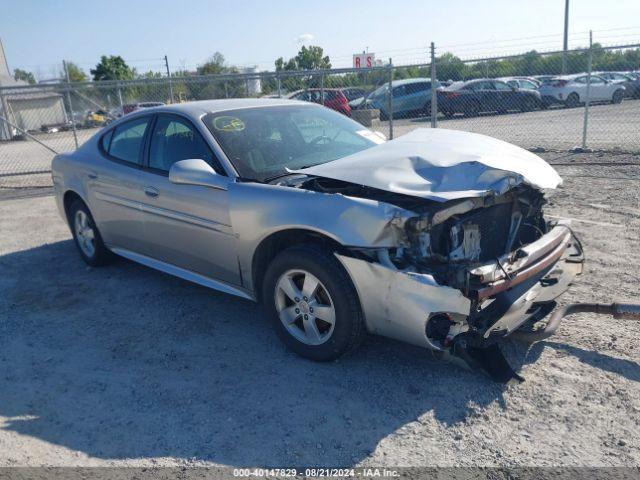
point(28, 108)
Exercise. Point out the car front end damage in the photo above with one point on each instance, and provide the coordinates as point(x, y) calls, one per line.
point(463, 256)
point(467, 274)
point(473, 258)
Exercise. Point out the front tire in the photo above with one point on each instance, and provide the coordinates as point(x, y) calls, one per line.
point(312, 303)
point(87, 236)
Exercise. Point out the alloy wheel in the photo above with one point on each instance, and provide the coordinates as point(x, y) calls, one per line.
point(305, 307)
point(84, 234)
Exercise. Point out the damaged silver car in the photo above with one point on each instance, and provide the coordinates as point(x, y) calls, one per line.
point(436, 238)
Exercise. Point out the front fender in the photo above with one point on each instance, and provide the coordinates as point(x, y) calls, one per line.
point(258, 211)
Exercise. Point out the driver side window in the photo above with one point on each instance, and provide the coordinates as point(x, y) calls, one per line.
point(174, 139)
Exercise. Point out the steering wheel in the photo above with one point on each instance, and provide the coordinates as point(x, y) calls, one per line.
point(324, 139)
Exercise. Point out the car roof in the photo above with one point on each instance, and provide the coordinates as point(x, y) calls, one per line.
point(200, 107)
point(406, 81)
point(516, 77)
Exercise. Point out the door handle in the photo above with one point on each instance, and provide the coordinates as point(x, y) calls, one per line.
point(92, 175)
point(151, 192)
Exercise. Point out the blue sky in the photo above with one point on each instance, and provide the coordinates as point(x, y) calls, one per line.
point(37, 35)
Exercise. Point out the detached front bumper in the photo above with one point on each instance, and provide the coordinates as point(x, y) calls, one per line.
point(500, 295)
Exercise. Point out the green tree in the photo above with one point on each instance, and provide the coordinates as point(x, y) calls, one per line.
point(214, 66)
point(308, 58)
point(20, 74)
point(112, 68)
point(76, 74)
point(312, 58)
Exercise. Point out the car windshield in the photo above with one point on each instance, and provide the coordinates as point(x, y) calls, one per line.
point(380, 91)
point(263, 142)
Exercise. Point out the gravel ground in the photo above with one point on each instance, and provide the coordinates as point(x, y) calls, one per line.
point(127, 366)
point(611, 127)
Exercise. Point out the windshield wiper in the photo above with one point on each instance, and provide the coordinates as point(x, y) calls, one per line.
point(286, 174)
point(280, 175)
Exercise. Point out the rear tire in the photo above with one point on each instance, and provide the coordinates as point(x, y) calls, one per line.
point(322, 322)
point(617, 96)
point(573, 100)
point(87, 236)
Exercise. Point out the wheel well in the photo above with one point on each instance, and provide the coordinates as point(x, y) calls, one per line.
point(69, 197)
point(279, 241)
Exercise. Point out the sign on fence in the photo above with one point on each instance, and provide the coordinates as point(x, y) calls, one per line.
point(364, 60)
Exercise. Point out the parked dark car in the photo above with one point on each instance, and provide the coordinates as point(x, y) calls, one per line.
point(334, 98)
point(485, 95)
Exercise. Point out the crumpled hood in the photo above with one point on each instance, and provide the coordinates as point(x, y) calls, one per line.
point(441, 165)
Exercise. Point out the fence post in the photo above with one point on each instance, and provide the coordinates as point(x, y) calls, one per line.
point(278, 82)
point(434, 93)
point(166, 63)
point(120, 97)
point(588, 99)
point(73, 120)
point(390, 99)
point(321, 87)
point(4, 127)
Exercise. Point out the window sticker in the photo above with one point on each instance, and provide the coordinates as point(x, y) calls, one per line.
point(228, 124)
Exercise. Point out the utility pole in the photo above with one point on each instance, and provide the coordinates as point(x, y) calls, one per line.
point(166, 64)
point(565, 44)
point(73, 120)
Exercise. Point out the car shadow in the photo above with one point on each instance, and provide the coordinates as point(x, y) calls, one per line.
point(124, 362)
point(620, 366)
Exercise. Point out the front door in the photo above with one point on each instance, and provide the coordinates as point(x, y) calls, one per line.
point(188, 226)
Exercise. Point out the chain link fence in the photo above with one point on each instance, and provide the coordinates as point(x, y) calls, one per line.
point(524, 99)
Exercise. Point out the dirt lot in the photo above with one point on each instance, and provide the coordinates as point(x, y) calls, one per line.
point(127, 366)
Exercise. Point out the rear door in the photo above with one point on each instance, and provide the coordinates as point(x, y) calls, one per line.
point(601, 90)
point(188, 226)
point(487, 96)
point(506, 96)
point(114, 185)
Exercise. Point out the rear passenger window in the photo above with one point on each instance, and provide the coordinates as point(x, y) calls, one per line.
point(127, 140)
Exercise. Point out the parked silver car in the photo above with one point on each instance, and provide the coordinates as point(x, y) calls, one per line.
point(436, 238)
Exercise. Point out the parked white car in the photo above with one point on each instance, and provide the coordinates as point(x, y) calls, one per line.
point(571, 90)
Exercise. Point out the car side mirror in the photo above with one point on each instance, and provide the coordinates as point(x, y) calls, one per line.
point(196, 172)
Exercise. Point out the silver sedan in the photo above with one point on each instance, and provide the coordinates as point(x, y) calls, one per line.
point(436, 238)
